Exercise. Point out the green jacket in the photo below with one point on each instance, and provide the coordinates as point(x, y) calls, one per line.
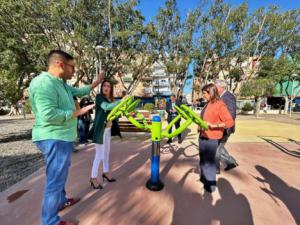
point(103, 108)
point(53, 106)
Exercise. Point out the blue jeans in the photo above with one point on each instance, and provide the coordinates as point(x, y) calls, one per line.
point(57, 155)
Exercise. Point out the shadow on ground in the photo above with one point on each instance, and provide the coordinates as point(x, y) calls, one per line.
point(193, 208)
point(290, 196)
point(283, 148)
point(190, 207)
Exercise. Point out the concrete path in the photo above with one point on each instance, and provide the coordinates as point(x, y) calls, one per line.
point(263, 190)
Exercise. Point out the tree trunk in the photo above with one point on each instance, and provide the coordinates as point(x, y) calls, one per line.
point(286, 105)
point(257, 106)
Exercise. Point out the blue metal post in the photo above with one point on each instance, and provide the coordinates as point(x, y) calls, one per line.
point(154, 183)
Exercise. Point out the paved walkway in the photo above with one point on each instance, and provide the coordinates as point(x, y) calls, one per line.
point(264, 189)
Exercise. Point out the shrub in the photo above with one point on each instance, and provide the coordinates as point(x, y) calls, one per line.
point(149, 107)
point(247, 107)
point(3, 112)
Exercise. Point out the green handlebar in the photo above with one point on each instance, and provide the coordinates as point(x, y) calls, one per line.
point(196, 119)
point(181, 112)
point(135, 122)
point(115, 111)
point(171, 124)
point(177, 131)
point(189, 115)
point(133, 105)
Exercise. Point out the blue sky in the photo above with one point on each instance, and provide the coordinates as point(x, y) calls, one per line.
point(150, 8)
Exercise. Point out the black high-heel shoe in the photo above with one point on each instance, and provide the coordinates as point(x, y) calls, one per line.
point(109, 180)
point(93, 185)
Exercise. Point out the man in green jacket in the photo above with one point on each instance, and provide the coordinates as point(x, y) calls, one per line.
point(54, 128)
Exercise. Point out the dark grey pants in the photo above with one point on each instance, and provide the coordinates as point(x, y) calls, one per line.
point(222, 156)
point(207, 152)
point(177, 125)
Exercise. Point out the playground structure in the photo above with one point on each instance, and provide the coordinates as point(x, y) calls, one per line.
point(128, 105)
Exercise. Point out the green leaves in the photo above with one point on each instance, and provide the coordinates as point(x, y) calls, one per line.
point(30, 29)
point(173, 37)
point(231, 38)
point(257, 88)
point(216, 38)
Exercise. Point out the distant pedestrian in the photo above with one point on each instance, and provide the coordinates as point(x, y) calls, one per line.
point(172, 114)
point(23, 108)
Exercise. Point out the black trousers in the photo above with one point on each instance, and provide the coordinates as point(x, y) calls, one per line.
point(207, 152)
point(177, 125)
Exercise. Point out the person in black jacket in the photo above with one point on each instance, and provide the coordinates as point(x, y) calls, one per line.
point(222, 155)
point(84, 121)
point(172, 113)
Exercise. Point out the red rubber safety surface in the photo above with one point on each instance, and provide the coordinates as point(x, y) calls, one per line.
point(263, 189)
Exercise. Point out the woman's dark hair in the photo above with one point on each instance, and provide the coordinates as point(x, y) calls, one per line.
point(212, 90)
point(111, 94)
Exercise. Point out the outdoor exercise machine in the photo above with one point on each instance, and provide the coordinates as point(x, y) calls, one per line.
point(128, 106)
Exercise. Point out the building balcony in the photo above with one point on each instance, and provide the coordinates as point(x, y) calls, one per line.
point(161, 85)
point(161, 89)
point(147, 78)
point(159, 74)
point(147, 91)
point(163, 93)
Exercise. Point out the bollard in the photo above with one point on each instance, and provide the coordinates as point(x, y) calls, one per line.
point(154, 183)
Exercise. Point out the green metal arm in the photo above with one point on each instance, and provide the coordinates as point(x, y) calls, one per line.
point(135, 122)
point(195, 118)
point(132, 106)
point(172, 123)
point(181, 112)
point(143, 119)
point(178, 130)
point(189, 115)
point(121, 107)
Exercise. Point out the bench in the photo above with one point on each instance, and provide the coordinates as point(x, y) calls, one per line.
point(126, 126)
point(145, 113)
